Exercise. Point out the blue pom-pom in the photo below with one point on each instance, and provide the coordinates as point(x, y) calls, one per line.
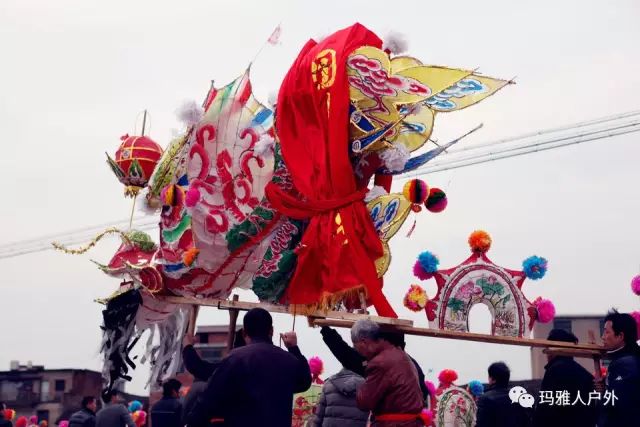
point(134, 406)
point(476, 388)
point(428, 261)
point(534, 267)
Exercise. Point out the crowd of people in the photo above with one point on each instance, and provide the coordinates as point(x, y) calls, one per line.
point(379, 385)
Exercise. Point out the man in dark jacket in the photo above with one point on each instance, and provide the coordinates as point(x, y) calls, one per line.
point(337, 406)
point(565, 376)
point(113, 413)
point(495, 408)
point(621, 400)
point(353, 361)
point(167, 412)
point(254, 385)
point(200, 369)
point(86, 416)
point(3, 421)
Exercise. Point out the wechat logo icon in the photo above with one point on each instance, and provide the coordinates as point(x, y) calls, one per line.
point(520, 396)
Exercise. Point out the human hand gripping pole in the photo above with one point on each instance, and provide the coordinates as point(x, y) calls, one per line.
point(289, 339)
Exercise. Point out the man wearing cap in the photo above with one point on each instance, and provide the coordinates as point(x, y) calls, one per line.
point(565, 377)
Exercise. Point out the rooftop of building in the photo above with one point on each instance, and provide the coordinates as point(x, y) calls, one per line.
point(15, 368)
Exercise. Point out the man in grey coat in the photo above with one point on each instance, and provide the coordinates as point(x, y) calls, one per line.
point(86, 416)
point(113, 413)
point(337, 406)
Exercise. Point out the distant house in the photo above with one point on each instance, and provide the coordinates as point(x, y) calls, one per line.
point(211, 344)
point(587, 328)
point(51, 394)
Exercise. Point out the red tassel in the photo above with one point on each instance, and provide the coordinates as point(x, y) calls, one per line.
point(413, 227)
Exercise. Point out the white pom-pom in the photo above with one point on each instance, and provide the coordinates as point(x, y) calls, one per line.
point(375, 192)
point(395, 158)
point(190, 113)
point(264, 146)
point(395, 42)
point(272, 100)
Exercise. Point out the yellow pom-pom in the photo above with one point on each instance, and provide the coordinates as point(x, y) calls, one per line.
point(480, 241)
point(416, 298)
point(416, 191)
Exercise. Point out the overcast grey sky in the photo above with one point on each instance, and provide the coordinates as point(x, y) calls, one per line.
point(75, 74)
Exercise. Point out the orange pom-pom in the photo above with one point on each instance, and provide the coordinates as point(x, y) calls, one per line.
point(480, 241)
point(190, 256)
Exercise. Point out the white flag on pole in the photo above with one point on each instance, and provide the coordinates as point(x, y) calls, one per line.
point(275, 36)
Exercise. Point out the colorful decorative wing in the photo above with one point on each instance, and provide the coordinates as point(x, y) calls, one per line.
point(379, 88)
point(465, 93)
point(388, 213)
point(223, 183)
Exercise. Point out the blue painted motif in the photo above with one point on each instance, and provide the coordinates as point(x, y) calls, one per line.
point(262, 116)
point(465, 87)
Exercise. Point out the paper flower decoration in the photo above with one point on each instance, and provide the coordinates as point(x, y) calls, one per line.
point(479, 241)
point(534, 267)
point(545, 309)
point(416, 298)
point(437, 201)
point(426, 265)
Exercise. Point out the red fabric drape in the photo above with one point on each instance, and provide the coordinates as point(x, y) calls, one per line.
point(340, 245)
point(384, 181)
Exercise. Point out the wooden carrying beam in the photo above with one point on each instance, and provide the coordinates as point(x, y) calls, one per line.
point(467, 336)
point(572, 352)
point(275, 308)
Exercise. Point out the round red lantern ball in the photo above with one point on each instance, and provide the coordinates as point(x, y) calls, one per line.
point(135, 161)
point(416, 191)
point(437, 200)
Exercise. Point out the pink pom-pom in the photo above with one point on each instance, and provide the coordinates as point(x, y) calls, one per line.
point(636, 316)
point(63, 423)
point(139, 417)
point(192, 197)
point(635, 285)
point(431, 387)
point(420, 273)
point(316, 366)
point(447, 376)
point(546, 310)
point(33, 419)
point(427, 416)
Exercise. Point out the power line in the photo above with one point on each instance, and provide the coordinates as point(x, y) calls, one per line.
point(527, 135)
point(536, 148)
point(500, 153)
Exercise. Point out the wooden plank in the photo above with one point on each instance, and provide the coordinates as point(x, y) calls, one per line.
point(467, 336)
point(573, 352)
point(275, 308)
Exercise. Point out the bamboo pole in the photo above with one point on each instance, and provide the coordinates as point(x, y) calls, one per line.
point(191, 328)
point(467, 336)
point(233, 320)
